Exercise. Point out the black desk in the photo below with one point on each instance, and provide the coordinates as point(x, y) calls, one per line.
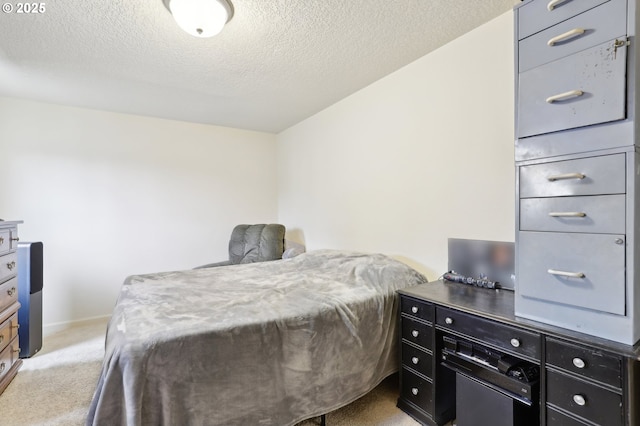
point(584, 380)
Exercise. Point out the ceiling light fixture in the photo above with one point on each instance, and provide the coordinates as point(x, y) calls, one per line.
point(200, 18)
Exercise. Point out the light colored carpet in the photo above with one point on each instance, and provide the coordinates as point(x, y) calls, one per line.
point(54, 387)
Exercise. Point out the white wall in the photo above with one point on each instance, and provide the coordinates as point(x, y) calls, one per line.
point(111, 195)
point(421, 155)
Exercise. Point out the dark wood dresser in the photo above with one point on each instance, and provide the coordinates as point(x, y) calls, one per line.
point(9, 348)
point(583, 380)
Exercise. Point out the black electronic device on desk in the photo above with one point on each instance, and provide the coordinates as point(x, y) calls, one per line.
point(478, 282)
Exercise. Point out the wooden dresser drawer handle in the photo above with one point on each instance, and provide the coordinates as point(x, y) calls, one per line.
point(579, 399)
point(515, 342)
point(579, 363)
point(414, 309)
point(415, 333)
point(1, 241)
point(415, 360)
point(415, 391)
point(11, 265)
point(16, 239)
point(448, 320)
point(2, 367)
point(11, 291)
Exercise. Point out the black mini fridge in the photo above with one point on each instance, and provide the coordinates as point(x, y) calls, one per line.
point(30, 282)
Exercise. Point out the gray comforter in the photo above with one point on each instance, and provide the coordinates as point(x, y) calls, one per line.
point(257, 344)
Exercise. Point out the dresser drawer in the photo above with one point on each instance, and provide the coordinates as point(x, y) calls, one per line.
point(5, 240)
point(535, 16)
point(416, 390)
point(598, 25)
point(583, 399)
point(586, 362)
point(586, 88)
point(555, 418)
point(503, 336)
point(8, 356)
point(416, 308)
point(417, 359)
point(8, 265)
point(8, 293)
point(545, 259)
point(8, 330)
point(417, 332)
point(584, 176)
point(600, 214)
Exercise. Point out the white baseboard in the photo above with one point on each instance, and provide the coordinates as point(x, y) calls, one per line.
point(48, 329)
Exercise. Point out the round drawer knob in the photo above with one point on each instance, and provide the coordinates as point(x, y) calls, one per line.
point(579, 363)
point(579, 399)
point(414, 309)
point(448, 320)
point(415, 333)
point(415, 360)
point(2, 366)
point(1, 338)
point(515, 342)
point(414, 391)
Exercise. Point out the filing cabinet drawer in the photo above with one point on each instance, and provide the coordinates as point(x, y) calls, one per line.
point(8, 293)
point(597, 262)
point(603, 214)
point(8, 265)
point(589, 29)
point(8, 356)
point(587, 362)
point(490, 332)
point(538, 15)
point(416, 308)
point(584, 176)
point(8, 330)
point(417, 332)
point(586, 88)
point(417, 359)
point(583, 399)
point(417, 390)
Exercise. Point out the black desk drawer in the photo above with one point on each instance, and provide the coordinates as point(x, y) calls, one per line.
point(556, 418)
point(583, 399)
point(491, 332)
point(417, 359)
point(416, 308)
point(416, 390)
point(594, 364)
point(417, 332)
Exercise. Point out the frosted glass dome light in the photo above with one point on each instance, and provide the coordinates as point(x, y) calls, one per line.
point(200, 18)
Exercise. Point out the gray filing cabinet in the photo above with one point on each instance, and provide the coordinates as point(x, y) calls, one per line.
point(578, 168)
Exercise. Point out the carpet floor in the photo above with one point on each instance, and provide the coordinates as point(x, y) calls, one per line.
point(55, 386)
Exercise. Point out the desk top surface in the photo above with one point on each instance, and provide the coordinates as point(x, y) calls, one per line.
point(499, 305)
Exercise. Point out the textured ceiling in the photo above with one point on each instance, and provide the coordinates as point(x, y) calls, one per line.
point(274, 64)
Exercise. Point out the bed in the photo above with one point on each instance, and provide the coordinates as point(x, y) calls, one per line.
point(268, 343)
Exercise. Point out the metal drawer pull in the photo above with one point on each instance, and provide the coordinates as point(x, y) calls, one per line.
point(15, 239)
point(579, 399)
point(564, 96)
point(414, 309)
point(553, 3)
point(11, 291)
point(414, 391)
point(515, 342)
point(566, 274)
point(565, 36)
point(1, 241)
point(11, 265)
point(448, 320)
point(567, 214)
point(1, 338)
point(415, 360)
point(579, 363)
point(2, 366)
point(415, 333)
point(566, 176)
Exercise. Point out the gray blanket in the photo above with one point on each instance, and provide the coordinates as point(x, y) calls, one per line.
point(257, 344)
